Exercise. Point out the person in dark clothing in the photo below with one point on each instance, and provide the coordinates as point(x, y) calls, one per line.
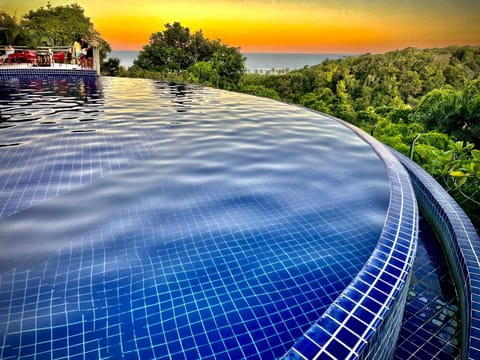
point(89, 57)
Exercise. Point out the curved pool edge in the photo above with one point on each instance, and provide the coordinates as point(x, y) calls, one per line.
point(461, 245)
point(365, 320)
point(82, 313)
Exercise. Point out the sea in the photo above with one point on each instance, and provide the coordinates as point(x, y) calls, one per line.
point(256, 62)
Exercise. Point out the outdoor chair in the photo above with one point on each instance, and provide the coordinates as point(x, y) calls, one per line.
point(30, 57)
point(16, 57)
point(59, 56)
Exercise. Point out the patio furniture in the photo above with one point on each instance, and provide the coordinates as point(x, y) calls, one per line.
point(44, 58)
point(59, 57)
point(27, 56)
point(16, 57)
point(30, 57)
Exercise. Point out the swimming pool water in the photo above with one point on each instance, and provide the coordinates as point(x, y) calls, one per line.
point(151, 220)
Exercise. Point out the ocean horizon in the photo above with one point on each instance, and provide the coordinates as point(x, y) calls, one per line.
point(256, 62)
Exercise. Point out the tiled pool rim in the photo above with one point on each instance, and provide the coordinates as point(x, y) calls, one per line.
point(365, 320)
point(460, 243)
point(45, 73)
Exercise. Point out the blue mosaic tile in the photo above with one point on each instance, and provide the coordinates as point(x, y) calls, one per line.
point(309, 348)
point(10, 73)
point(364, 320)
point(399, 235)
point(337, 349)
point(458, 236)
point(234, 280)
point(430, 300)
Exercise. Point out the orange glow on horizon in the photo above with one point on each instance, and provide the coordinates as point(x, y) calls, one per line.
point(283, 25)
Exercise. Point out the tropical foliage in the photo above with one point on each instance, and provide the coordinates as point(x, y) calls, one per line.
point(177, 52)
point(12, 32)
point(457, 169)
point(454, 164)
point(51, 26)
point(56, 26)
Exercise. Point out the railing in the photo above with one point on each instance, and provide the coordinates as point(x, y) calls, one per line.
point(49, 56)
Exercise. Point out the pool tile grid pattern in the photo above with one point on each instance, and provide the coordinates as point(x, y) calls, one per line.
point(430, 328)
point(364, 321)
point(71, 123)
point(462, 248)
point(43, 72)
point(131, 311)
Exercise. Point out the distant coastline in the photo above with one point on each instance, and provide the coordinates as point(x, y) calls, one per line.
point(256, 62)
point(263, 62)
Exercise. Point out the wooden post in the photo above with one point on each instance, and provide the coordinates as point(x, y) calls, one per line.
point(96, 59)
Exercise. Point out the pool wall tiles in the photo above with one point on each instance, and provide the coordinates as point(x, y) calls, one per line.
point(365, 320)
point(45, 72)
point(461, 245)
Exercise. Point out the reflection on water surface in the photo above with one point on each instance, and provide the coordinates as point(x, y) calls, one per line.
point(144, 219)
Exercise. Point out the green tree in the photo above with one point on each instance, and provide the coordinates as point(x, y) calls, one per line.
point(439, 109)
point(320, 101)
point(111, 67)
point(61, 26)
point(167, 50)
point(57, 26)
point(260, 90)
point(13, 33)
point(454, 112)
point(205, 73)
point(103, 47)
point(229, 63)
point(343, 104)
point(176, 49)
point(457, 169)
point(470, 112)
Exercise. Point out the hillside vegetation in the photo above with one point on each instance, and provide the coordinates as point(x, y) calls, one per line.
point(431, 95)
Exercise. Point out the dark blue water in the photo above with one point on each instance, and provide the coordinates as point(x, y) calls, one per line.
point(145, 220)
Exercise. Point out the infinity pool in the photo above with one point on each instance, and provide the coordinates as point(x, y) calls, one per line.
point(142, 219)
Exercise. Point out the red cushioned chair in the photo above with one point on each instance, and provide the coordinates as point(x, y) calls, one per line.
point(16, 57)
point(30, 57)
point(59, 56)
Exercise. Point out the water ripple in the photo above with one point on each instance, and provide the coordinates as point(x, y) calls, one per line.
point(179, 195)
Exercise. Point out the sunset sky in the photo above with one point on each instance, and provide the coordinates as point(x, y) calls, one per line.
point(293, 26)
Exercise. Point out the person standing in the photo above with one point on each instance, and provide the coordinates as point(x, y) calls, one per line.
point(87, 52)
point(8, 50)
point(77, 50)
point(89, 57)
